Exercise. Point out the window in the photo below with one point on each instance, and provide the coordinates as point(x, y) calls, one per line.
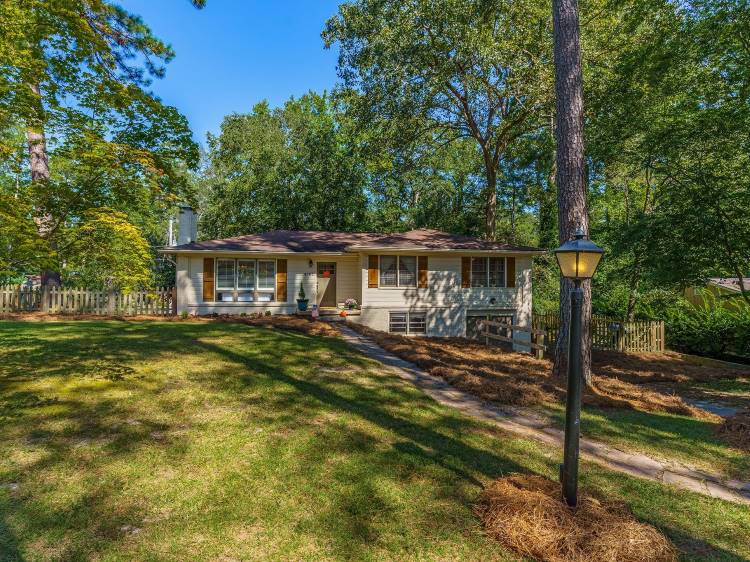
point(388, 271)
point(496, 270)
point(398, 271)
point(398, 323)
point(245, 280)
point(407, 323)
point(225, 274)
point(225, 280)
point(488, 272)
point(417, 323)
point(478, 272)
point(407, 271)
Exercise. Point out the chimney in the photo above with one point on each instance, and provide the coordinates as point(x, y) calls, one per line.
point(187, 226)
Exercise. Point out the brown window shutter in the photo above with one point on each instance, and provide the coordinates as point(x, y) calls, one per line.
point(465, 272)
point(422, 267)
point(208, 279)
point(372, 271)
point(281, 292)
point(510, 268)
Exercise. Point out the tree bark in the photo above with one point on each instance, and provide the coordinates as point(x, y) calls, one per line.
point(571, 187)
point(490, 211)
point(37, 143)
point(39, 167)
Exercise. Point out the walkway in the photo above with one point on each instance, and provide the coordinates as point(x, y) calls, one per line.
point(518, 421)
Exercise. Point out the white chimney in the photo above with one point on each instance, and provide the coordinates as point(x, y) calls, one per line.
point(188, 226)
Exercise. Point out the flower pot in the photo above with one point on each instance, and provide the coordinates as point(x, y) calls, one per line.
point(302, 305)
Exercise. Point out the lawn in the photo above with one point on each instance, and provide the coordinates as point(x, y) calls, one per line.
point(637, 404)
point(221, 441)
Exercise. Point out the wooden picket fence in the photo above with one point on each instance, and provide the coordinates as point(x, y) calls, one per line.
point(68, 300)
point(610, 333)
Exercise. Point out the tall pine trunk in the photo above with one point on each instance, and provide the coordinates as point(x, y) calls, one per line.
point(490, 210)
point(571, 185)
point(39, 167)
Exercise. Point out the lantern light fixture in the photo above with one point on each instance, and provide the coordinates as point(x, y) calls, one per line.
point(578, 258)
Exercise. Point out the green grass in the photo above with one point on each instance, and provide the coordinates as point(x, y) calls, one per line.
point(211, 441)
point(728, 388)
point(662, 436)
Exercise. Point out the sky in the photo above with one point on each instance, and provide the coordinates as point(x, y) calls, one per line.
point(235, 53)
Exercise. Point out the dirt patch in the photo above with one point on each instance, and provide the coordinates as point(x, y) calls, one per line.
point(736, 429)
point(508, 377)
point(527, 515)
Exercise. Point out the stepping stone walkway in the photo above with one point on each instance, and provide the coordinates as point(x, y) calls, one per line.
point(518, 421)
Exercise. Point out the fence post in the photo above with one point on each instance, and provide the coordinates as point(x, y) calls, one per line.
point(539, 351)
point(111, 302)
point(44, 292)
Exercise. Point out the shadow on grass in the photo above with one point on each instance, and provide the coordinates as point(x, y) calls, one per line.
point(681, 438)
point(360, 439)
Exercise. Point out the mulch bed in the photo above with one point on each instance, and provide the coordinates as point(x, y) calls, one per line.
point(520, 379)
point(736, 429)
point(526, 514)
point(299, 324)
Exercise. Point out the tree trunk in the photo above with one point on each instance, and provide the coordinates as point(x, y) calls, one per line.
point(39, 167)
point(490, 211)
point(37, 143)
point(635, 281)
point(571, 188)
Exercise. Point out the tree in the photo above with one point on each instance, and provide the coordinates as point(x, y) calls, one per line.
point(75, 75)
point(295, 167)
point(108, 251)
point(571, 185)
point(449, 70)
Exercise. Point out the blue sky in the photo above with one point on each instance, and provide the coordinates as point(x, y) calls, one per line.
point(234, 53)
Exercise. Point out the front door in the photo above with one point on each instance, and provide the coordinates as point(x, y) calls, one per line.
point(327, 284)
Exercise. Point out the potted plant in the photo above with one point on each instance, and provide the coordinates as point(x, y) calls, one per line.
point(351, 303)
point(301, 299)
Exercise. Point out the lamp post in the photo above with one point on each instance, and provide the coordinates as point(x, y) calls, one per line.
point(578, 259)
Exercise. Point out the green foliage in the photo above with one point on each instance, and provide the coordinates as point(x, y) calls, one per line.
point(295, 167)
point(108, 251)
point(427, 73)
point(21, 248)
point(711, 330)
point(76, 73)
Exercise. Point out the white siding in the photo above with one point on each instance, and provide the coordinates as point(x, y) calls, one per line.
point(444, 301)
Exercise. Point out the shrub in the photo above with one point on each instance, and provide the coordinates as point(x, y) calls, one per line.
point(711, 330)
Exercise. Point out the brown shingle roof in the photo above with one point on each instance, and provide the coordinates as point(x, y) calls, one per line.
point(312, 241)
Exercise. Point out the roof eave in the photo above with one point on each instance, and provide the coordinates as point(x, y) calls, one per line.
point(441, 250)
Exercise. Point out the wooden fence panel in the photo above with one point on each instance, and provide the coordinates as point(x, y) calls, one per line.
point(75, 300)
point(641, 336)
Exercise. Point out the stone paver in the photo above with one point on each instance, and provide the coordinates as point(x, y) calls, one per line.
point(535, 427)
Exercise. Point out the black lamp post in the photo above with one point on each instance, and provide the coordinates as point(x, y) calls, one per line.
point(578, 260)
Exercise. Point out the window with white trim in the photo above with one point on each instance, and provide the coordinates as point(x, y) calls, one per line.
point(488, 272)
point(398, 271)
point(245, 280)
point(407, 322)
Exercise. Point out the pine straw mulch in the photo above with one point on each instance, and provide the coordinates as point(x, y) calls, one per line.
point(526, 514)
point(301, 324)
point(519, 379)
point(736, 429)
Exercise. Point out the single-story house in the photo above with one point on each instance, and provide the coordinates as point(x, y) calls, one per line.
point(417, 282)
